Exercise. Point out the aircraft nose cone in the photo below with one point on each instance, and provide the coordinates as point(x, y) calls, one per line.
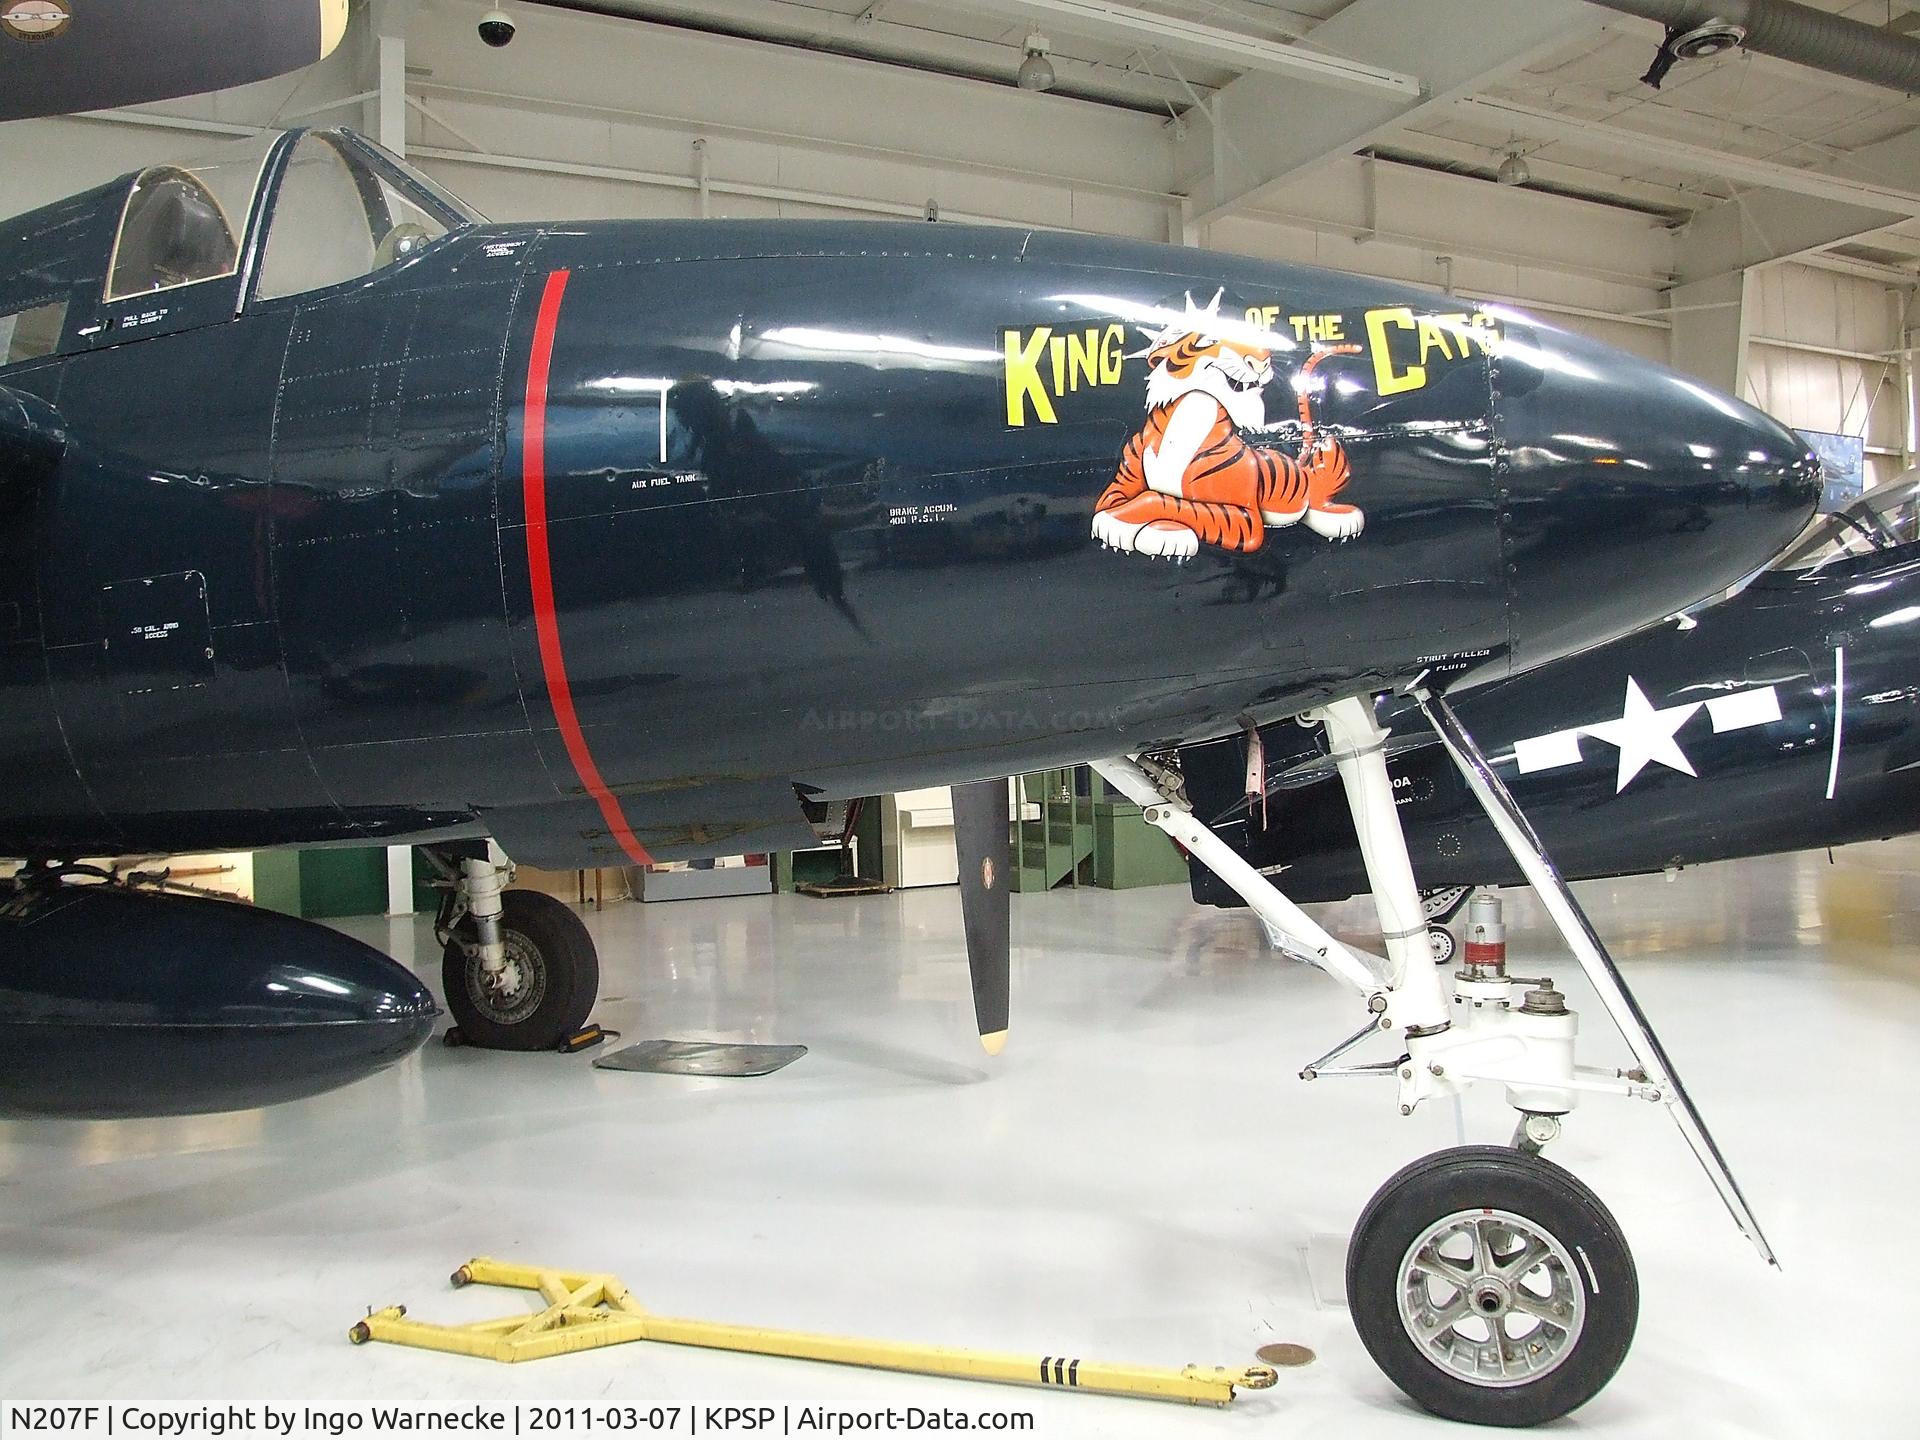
point(1629, 491)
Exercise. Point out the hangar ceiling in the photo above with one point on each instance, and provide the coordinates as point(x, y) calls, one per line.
point(1740, 132)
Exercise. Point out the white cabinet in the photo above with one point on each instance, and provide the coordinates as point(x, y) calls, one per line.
point(916, 838)
point(916, 835)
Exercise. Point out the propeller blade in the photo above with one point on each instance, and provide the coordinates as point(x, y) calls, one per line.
point(980, 838)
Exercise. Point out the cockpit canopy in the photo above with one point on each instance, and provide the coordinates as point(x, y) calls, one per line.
point(280, 214)
point(1884, 518)
point(173, 233)
point(341, 208)
point(182, 224)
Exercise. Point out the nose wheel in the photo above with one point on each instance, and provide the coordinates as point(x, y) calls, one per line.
point(1492, 1286)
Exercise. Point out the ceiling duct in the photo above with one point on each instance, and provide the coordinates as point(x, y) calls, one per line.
point(1703, 42)
point(1789, 31)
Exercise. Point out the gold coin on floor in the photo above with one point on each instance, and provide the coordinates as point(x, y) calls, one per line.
point(1285, 1353)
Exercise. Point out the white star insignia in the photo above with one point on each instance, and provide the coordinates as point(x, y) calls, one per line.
point(1644, 735)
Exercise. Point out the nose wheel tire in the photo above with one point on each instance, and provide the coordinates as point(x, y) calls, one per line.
point(1491, 1286)
point(1444, 945)
point(542, 994)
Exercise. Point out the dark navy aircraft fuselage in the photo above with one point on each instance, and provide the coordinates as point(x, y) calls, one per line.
point(616, 540)
point(1785, 718)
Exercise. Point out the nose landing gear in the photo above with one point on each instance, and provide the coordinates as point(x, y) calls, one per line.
point(1487, 1282)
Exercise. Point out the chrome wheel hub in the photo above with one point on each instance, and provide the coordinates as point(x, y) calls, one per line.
point(1491, 1297)
point(505, 982)
point(514, 991)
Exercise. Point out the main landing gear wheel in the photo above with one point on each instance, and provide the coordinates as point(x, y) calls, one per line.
point(542, 994)
point(1493, 1287)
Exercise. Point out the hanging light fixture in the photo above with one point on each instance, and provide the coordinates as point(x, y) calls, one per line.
point(1036, 71)
point(1513, 170)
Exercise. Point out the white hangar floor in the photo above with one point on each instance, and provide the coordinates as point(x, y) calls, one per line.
point(1140, 1177)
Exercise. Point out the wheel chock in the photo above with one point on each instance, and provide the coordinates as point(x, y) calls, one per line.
point(586, 1312)
point(585, 1038)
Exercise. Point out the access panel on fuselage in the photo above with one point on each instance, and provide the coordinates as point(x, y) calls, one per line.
point(385, 551)
point(157, 535)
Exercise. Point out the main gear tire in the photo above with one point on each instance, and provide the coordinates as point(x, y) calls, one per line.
point(544, 992)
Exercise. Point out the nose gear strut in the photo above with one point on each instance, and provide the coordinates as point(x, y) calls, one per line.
point(1470, 1334)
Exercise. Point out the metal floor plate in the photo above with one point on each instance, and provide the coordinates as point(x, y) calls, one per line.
point(700, 1057)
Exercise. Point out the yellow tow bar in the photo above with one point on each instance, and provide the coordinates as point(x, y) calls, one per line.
point(585, 1312)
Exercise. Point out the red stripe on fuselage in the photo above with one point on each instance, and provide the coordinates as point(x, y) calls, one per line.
point(553, 660)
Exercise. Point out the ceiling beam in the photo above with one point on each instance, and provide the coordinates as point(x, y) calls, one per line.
point(1897, 242)
point(1594, 181)
point(1180, 36)
point(1775, 223)
point(1266, 133)
point(390, 19)
point(1898, 275)
point(877, 35)
point(1696, 159)
point(694, 127)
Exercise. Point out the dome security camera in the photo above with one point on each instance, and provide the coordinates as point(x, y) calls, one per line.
point(497, 29)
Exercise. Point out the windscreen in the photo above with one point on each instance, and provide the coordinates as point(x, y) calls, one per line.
point(1885, 517)
point(337, 217)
